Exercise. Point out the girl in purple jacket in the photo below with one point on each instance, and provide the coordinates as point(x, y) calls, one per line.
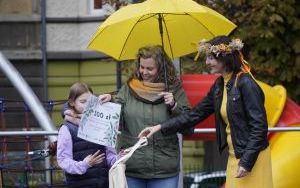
point(85, 164)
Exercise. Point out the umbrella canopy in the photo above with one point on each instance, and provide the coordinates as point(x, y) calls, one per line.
point(177, 25)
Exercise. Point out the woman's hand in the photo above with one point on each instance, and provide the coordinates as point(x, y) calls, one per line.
point(71, 113)
point(94, 159)
point(122, 153)
point(169, 98)
point(241, 172)
point(104, 98)
point(149, 131)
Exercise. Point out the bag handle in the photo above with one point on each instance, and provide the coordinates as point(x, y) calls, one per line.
point(141, 143)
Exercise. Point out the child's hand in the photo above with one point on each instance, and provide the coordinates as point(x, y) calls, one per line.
point(94, 159)
point(104, 98)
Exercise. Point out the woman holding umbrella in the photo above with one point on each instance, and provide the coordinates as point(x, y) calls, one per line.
point(145, 102)
point(241, 123)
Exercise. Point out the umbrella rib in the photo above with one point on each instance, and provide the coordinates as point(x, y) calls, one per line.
point(128, 36)
point(179, 15)
point(200, 23)
point(139, 20)
point(95, 36)
point(155, 14)
point(106, 27)
point(168, 38)
point(145, 18)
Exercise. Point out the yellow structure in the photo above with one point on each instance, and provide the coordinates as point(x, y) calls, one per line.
point(285, 150)
point(275, 98)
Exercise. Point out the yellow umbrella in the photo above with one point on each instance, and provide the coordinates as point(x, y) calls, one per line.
point(177, 25)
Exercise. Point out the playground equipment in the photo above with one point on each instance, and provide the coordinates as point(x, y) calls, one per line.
point(281, 112)
point(29, 97)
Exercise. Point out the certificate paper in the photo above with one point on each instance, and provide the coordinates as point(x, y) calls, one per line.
point(100, 122)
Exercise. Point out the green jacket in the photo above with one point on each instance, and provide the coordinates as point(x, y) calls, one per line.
point(160, 158)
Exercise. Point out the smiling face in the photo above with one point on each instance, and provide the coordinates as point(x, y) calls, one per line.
point(148, 69)
point(214, 65)
point(79, 103)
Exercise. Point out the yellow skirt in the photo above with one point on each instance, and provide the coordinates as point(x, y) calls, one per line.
point(259, 177)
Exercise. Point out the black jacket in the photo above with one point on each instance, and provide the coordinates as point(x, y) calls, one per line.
point(246, 115)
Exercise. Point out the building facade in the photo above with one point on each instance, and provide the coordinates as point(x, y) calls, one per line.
point(47, 40)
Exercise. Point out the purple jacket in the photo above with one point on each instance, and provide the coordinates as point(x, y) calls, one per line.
point(65, 154)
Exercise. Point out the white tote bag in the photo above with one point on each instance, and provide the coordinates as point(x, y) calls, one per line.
point(117, 178)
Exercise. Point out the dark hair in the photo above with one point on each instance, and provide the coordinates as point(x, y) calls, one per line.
point(231, 61)
point(76, 90)
point(160, 57)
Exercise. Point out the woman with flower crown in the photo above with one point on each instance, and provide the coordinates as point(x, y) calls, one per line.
point(241, 122)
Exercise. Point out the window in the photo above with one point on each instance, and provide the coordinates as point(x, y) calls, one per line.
point(97, 4)
point(102, 7)
point(106, 7)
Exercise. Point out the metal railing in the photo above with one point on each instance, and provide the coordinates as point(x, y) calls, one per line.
point(270, 129)
point(32, 175)
point(196, 131)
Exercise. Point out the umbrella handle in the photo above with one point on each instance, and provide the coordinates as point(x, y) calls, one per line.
point(162, 44)
point(165, 75)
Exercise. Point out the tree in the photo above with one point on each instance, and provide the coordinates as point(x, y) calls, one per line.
point(271, 32)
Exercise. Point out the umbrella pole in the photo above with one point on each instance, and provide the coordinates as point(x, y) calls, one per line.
point(180, 180)
point(162, 44)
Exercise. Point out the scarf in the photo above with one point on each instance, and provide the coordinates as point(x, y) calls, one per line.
point(148, 91)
